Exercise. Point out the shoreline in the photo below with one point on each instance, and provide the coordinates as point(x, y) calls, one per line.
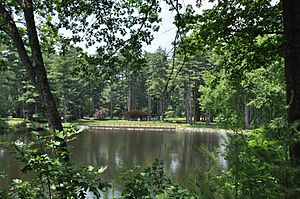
point(154, 128)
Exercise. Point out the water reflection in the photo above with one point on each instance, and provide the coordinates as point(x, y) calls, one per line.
point(8, 163)
point(179, 152)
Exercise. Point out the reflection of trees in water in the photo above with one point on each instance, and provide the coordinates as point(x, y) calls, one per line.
point(178, 150)
point(8, 164)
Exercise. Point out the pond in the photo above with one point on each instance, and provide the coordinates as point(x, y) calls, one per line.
point(178, 150)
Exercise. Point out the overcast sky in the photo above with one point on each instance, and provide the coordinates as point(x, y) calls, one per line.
point(165, 36)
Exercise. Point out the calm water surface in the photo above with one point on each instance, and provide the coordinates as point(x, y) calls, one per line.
point(178, 150)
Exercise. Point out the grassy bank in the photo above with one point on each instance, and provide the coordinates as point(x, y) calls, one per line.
point(170, 122)
point(11, 124)
point(13, 121)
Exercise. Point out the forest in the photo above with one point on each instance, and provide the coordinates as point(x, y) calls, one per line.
point(234, 66)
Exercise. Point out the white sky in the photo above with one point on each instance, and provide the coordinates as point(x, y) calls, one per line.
point(165, 36)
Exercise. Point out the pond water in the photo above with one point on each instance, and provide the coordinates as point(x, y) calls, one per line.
point(178, 150)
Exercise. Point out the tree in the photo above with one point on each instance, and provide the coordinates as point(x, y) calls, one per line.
point(110, 20)
point(33, 61)
point(157, 65)
point(10, 80)
point(291, 19)
point(234, 23)
point(66, 85)
point(244, 41)
point(191, 76)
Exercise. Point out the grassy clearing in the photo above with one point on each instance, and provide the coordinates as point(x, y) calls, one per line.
point(170, 122)
point(13, 121)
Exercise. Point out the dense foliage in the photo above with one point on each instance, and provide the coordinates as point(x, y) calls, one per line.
point(236, 64)
point(151, 183)
point(153, 88)
point(54, 177)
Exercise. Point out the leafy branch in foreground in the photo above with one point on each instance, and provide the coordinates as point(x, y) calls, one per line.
point(53, 177)
point(151, 183)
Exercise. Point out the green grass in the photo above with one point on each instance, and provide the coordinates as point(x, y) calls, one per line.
point(84, 122)
point(169, 122)
point(13, 121)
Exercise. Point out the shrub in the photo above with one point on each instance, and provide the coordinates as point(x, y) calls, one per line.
point(38, 118)
point(151, 183)
point(135, 114)
point(3, 125)
point(100, 113)
point(257, 165)
point(55, 177)
point(27, 126)
point(22, 126)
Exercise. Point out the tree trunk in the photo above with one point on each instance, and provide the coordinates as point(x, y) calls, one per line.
point(78, 113)
point(149, 107)
point(65, 108)
point(123, 95)
point(39, 70)
point(65, 102)
point(188, 101)
point(111, 103)
point(22, 111)
point(196, 96)
point(34, 65)
point(162, 101)
point(291, 19)
point(197, 114)
point(208, 117)
point(129, 97)
point(65, 84)
point(247, 115)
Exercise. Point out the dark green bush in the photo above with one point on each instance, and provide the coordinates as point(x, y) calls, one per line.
point(135, 115)
point(3, 125)
point(151, 183)
point(259, 167)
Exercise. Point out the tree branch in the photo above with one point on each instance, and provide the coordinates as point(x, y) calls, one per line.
point(138, 31)
point(179, 33)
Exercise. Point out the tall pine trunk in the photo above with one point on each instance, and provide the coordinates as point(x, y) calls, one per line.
point(291, 18)
point(129, 96)
point(149, 100)
point(188, 102)
point(65, 84)
point(197, 110)
point(161, 110)
point(65, 108)
point(111, 103)
point(247, 115)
